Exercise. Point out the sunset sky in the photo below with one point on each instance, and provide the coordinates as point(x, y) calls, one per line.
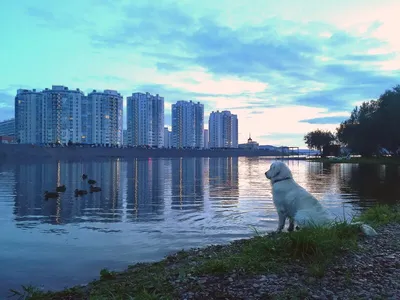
point(284, 67)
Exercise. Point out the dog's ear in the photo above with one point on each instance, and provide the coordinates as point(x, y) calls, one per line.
point(275, 168)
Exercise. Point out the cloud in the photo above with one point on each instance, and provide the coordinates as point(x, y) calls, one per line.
point(256, 112)
point(256, 53)
point(304, 68)
point(325, 120)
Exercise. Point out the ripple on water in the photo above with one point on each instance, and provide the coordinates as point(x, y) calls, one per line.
point(148, 208)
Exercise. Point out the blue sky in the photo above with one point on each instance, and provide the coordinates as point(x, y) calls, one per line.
point(285, 67)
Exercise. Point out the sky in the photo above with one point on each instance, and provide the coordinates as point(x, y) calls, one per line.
point(284, 67)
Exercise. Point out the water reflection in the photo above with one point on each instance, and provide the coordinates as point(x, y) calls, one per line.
point(150, 207)
point(145, 191)
point(33, 179)
point(224, 180)
point(188, 183)
point(372, 183)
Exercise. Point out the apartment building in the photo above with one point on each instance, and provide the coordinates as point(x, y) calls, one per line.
point(187, 124)
point(145, 120)
point(223, 130)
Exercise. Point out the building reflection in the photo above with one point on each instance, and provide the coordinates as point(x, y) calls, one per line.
point(188, 183)
point(145, 190)
point(224, 180)
point(33, 179)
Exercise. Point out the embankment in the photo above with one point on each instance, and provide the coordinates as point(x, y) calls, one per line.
point(11, 153)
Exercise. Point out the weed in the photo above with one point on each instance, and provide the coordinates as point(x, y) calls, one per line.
point(107, 275)
point(380, 215)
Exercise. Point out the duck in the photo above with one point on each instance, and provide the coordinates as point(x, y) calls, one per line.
point(80, 192)
point(84, 176)
point(61, 188)
point(91, 181)
point(94, 189)
point(48, 194)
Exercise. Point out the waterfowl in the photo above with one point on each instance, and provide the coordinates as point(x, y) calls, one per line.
point(91, 181)
point(94, 189)
point(48, 195)
point(84, 176)
point(80, 192)
point(61, 188)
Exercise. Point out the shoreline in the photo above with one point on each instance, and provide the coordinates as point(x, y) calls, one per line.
point(358, 160)
point(12, 152)
point(317, 263)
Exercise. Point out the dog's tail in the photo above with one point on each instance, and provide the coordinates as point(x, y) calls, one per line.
point(315, 218)
point(365, 229)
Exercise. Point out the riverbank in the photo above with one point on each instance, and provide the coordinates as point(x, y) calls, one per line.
point(29, 152)
point(359, 160)
point(316, 263)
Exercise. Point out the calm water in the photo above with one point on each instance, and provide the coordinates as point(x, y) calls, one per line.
point(149, 208)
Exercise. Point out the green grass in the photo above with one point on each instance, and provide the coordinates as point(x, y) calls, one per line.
point(380, 215)
point(314, 247)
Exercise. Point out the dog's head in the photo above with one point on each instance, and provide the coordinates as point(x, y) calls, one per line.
point(278, 171)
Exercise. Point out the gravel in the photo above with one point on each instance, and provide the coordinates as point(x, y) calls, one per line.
point(372, 272)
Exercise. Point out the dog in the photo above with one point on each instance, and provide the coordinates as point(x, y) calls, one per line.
point(293, 202)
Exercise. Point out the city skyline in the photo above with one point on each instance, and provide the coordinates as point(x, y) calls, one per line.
point(63, 115)
point(303, 63)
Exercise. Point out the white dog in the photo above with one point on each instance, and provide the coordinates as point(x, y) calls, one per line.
point(294, 202)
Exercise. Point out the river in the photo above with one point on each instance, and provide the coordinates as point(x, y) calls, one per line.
point(151, 207)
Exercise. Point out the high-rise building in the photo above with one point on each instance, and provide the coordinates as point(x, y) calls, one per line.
point(7, 127)
point(206, 139)
point(102, 118)
point(223, 130)
point(187, 124)
point(125, 137)
point(61, 115)
point(167, 138)
point(61, 120)
point(28, 116)
point(145, 120)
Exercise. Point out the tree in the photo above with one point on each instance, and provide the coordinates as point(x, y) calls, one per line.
point(318, 139)
point(373, 125)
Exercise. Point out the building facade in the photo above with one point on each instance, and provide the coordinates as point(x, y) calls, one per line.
point(145, 120)
point(187, 124)
point(206, 139)
point(223, 130)
point(125, 137)
point(28, 116)
point(61, 115)
point(102, 118)
point(167, 138)
point(7, 128)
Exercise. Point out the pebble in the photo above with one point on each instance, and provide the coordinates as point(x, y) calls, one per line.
point(368, 274)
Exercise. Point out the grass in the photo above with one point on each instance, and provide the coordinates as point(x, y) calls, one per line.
point(314, 247)
point(361, 160)
point(380, 215)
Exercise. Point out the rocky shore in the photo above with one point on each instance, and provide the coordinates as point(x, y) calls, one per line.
point(336, 263)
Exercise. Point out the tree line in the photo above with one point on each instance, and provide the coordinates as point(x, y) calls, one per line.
point(371, 127)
